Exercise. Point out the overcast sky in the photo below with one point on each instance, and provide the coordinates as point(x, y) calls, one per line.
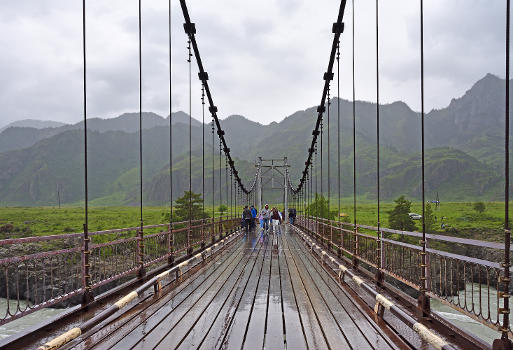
point(265, 58)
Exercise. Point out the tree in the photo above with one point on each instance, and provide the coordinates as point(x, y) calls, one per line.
point(222, 209)
point(190, 203)
point(319, 208)
point(429, 218)
point(479, 207)
point(399, 218)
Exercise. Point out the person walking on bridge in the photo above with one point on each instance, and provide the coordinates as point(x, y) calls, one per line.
point(247, 216)
point(266, 215)
point(276, 217)
point(253, 214)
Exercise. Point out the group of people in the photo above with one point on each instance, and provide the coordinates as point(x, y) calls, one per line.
point(267, 218)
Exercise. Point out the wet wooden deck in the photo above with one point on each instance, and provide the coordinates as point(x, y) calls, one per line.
point(252, 296)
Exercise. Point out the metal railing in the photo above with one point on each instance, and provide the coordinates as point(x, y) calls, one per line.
point(468, 284)
point(39, 272)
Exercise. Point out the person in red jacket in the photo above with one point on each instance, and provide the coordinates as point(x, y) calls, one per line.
point(276, 219)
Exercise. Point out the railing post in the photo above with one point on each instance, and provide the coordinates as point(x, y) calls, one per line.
point(189, 232)
point(171, 245)
point(331, 236)
point(341, 246)
point(423, 303)
point(356, 247)
point(379, 257)
point(203, 233)
point(88, 296)
point(140, 253)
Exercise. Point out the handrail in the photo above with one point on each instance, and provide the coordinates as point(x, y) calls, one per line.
point(121, 303)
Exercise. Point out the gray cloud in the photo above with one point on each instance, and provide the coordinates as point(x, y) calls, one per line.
point(265, 58)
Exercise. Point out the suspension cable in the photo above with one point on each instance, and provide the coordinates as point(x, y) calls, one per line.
point(338, 128)
point(338, 28)
point(203, 146)
point(322, 193)
point(424, 267)
point(140, 123)
point(213, 173)
point(377, 114)
point(328, 135)
point(507, 232)
point(354, 121)
point(87, 297)
point(189, 60)
point(220, 175)
point(190, 29)
point(170, 123)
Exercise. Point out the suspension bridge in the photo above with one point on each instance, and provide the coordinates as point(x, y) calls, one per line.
point(210, 284)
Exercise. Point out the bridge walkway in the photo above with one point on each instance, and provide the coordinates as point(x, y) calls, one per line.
point(254, 295)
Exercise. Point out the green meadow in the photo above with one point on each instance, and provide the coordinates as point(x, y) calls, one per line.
point(459, 218)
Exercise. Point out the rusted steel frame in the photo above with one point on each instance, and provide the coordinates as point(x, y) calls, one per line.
point(45, 304)
point(451, 239)
point(10, 241)
point(35, 256)
point(463, 259)
point(114, 277)
point(79, 235)
point(484, 321)
point(113, 243)
point(121, 303)
point(160, 258)
point(381, 301)
point(447, 254)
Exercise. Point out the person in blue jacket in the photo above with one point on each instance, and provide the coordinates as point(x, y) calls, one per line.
point(254, 214)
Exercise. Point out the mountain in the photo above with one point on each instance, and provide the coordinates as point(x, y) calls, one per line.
point(20, 136)
point(32, 123)
point(464, 155)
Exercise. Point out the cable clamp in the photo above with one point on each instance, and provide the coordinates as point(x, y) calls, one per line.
point(328, 76)
point(203, 76)
point(190, 28)
point(338, 28)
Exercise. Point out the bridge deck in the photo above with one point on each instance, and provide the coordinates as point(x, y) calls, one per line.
point(252, 296)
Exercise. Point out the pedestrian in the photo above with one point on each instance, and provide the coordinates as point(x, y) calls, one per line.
point(246, 215)
point(266, 216)
point(276, 217)
point(253, 214)
point(292, 215)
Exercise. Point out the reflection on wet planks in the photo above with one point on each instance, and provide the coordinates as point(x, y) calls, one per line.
point(254, 296)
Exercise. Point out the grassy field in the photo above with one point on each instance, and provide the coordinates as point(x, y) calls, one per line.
point(39, 221)
point(459, 218)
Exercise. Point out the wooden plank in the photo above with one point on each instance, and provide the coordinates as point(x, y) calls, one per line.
point(219, 327)
point(124, 322)
point(152, 329)
point(274, 333)
point(294, 329)
point(329, 326)
point(234, 335)
point(254, 337)
point(312, 330)
point(213, 299)
point(346, 324)
point(364, 325)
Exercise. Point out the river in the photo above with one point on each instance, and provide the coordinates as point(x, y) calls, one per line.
point(25, 322)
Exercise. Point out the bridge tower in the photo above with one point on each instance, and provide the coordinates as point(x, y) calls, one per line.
point(272, 175)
